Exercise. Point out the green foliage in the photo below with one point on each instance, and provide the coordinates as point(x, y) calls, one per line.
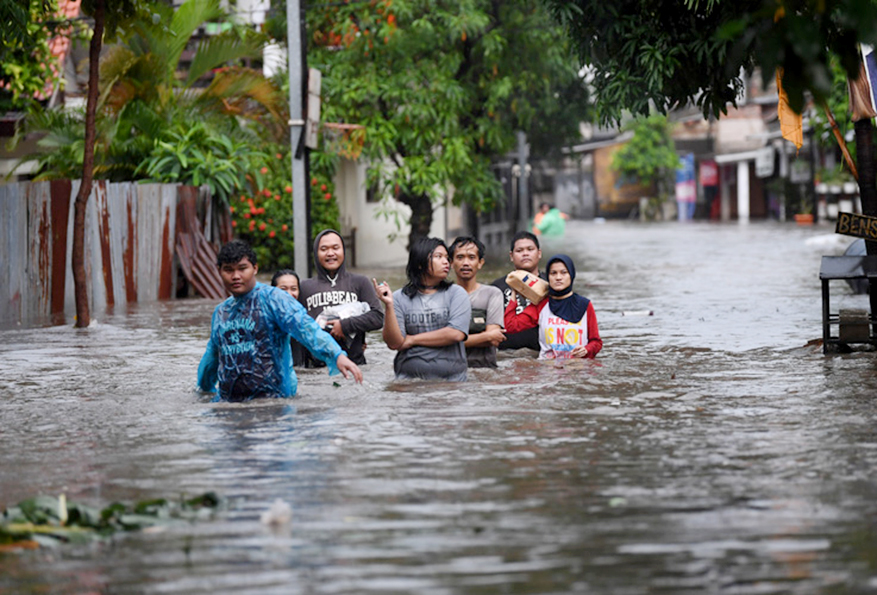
point(61, 148)
point(441, 90)
point(660, 53)
point(839, 104)
point(836, 175)
point(324, 203)
point(196, 155)
point(27, 66)
point(118, 14)
point(127, 141)
point(145, 129)
point(649, 157)
point(264, 216)
point(145, 67)
point(47, 520)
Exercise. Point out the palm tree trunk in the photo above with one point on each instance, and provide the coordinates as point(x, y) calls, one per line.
point(80, 286)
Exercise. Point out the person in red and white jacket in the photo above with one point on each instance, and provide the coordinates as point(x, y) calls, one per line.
point(566, 321)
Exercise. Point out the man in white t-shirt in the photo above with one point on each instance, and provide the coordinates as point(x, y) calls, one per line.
point(485, 328)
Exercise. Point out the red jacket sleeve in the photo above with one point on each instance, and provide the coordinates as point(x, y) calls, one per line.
point(595, 343)
point(528, 318)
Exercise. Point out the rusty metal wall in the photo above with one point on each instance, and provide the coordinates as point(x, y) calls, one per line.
point(13, 241)
point(129, 246)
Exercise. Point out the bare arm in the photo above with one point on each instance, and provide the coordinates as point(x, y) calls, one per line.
point(391, 333)
point(345, 366)
point(437, 338)
point(595, 343)
point(493, 335)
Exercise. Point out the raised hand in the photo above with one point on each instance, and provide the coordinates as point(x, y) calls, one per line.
point(385, 294)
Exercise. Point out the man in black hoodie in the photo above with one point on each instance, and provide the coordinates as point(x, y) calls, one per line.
point(333, 286)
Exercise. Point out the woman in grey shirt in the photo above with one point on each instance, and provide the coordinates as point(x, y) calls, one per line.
point(427, 321)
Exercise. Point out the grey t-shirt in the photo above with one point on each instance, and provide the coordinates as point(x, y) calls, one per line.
point(429, 312)
point(486, 298)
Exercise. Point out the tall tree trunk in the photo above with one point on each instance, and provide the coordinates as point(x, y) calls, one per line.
point(867, 171)
point(80, 286)
point(421, 216)
point(868, 190)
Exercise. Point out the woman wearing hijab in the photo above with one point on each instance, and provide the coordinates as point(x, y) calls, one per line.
point(567, 322)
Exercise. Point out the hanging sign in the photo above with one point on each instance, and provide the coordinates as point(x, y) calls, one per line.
point(799, 172)
point(859, 226)
point(764, 161)
point(686, 190)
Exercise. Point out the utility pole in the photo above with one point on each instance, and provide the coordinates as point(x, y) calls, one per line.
point(523, 208)
point(296, 131)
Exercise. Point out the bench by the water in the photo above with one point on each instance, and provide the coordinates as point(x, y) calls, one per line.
point(855, 326)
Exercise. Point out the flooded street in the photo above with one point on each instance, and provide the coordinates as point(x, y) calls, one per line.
point(708, 449)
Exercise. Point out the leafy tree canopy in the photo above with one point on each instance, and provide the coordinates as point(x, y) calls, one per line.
point(118, 13)
point(176, 109)
point(28, 70)
point(664, 53)
point(649, 156)
point(146, 110)
point(26, 62)
point(441, 89)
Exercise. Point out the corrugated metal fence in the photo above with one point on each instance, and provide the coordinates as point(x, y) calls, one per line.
point(130, 239)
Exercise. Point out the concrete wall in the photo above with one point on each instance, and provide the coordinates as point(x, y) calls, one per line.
point(382, 227)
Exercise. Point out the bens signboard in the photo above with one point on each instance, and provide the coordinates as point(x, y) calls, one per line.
point(860, 226)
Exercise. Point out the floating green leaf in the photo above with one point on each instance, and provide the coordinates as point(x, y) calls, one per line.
point(46, 520)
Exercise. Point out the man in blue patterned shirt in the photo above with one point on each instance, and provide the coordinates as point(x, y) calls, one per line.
point(248, 352)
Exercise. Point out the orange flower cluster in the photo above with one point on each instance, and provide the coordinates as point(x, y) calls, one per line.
point(264, 216)
point(254, 216)
point(335, 33)
point(258, 205)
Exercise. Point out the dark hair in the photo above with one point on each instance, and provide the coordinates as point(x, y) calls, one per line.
point(281, 273)
point(463, 241)
point(419, 258)
point(234, 251)
point(523, 235)
point(544, 204)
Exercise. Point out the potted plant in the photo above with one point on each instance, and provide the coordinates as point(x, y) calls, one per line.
point(835, 180)
point(804, 216)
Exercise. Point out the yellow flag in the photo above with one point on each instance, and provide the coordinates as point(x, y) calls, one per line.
point(791, 124)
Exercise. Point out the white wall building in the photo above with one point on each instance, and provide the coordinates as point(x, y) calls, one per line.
point(378, 240)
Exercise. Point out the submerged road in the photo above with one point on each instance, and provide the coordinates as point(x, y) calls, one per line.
point(708, 449)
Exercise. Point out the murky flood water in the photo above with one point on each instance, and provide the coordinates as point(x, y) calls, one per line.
point(707, 450)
